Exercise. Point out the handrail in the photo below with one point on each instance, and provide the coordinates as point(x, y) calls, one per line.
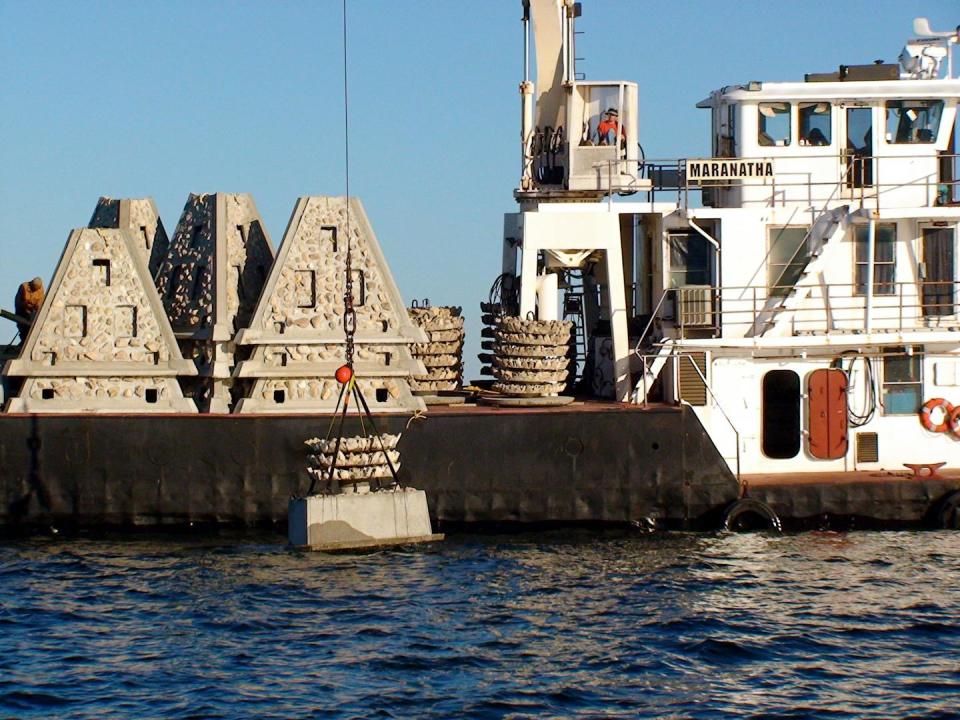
point(676, 356)
point(828, 307)
point(845, 177)
point(706, 385)
point(653, 316)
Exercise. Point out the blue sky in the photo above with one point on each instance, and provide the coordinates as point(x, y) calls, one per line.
point(130, 99)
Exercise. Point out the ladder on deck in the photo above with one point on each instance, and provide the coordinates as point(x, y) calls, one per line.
point(824, 236)
point(573, 311)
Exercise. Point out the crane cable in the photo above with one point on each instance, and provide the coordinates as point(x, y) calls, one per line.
point(345, 374)
point(349, 313)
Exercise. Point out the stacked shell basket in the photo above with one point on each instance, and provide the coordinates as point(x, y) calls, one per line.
point(360, 461)
point(442, 354)
point(531, 358)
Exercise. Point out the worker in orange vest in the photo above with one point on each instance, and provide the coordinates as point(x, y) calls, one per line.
point(27, 303)
point(609, 128)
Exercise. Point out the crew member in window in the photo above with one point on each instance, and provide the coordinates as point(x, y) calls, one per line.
point(27, 304)
point(609, 128)
point(816, 137)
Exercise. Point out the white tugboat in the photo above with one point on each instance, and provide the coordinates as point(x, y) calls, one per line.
point(766, 334)
point(798, 289)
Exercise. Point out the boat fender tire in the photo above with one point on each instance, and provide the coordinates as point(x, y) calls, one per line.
point(926, 415)
point(748, 514)
point(948, 512)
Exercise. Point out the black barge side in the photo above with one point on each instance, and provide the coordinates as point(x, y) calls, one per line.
point(586, 463)
point(591, 462)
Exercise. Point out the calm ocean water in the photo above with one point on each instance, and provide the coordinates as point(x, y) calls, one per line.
point(563, 624)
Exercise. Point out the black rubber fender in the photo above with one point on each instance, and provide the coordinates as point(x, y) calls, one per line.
point(948, 512)
point(749, 514)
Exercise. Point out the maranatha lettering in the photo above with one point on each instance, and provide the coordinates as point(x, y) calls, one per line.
point(720, 169)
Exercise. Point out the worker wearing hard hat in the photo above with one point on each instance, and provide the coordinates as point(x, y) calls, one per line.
point(27, 303)
point(609, 128)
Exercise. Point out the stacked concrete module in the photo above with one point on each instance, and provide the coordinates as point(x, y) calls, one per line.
point(442, 354)
point(210, 281)
point(297, 331)
point(140, 217)
point(531, 358)
point(101, 341)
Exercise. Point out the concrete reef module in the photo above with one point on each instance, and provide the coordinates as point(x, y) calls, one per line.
point(222, 326)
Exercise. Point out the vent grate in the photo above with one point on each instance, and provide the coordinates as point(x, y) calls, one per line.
point(692, 388)
point(868, 447)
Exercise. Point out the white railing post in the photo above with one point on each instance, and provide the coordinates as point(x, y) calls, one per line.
point(871, 243)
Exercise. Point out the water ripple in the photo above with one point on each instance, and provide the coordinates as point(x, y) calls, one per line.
point(569, 624)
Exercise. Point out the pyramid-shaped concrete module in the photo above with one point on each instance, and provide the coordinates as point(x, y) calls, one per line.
point(210, 281)
point(101, 341)
point(140, 217)
point(297, 329)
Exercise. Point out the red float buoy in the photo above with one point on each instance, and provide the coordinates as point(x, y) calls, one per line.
point(343, 374)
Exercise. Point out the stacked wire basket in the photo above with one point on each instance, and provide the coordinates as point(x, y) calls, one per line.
point(442, 354)
point(360, 461)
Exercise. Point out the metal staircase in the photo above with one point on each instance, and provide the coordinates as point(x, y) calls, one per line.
point(822, 239)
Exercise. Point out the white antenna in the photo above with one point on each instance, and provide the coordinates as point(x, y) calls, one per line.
point(922, 55)
point(921, 28)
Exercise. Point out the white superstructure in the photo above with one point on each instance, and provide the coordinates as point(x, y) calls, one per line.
point(799, 288)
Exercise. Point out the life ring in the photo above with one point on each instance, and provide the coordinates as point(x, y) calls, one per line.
point(926, 413)
point(953, 421)
point(748, 514)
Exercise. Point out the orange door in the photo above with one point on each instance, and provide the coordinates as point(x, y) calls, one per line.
point(827, 413)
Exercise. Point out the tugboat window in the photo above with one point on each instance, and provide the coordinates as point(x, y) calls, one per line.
point(788, 254)
point(691, 259)
point(902, 380)
point(913, 121)
point(884, 259)
point(815, 124)
point(774, 124)
point(781, 414)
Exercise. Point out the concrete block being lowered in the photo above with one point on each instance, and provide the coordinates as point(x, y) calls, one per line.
point(140, 217)
point(297, 331)
point(210, 281)
point(101, 341)
point(353, 521)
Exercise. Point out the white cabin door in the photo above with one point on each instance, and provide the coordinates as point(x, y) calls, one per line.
point(939, 272)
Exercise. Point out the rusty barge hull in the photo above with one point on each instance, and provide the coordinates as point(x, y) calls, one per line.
point(590, 463)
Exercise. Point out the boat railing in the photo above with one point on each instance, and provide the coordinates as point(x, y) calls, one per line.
point(676, 357)
point(704, 311)
point(872, 181)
